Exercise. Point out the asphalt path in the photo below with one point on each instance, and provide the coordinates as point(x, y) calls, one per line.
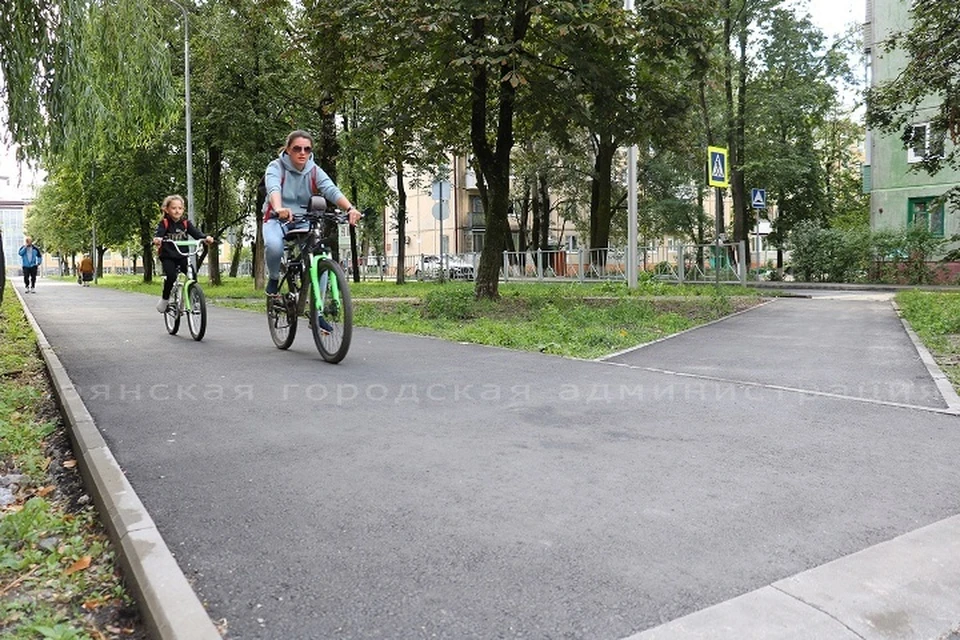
point(430, 489)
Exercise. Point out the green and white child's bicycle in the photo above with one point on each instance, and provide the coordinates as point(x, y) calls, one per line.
point(187, 297)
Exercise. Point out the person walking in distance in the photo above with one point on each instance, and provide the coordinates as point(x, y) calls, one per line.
point(30, 259)
point(86, 270)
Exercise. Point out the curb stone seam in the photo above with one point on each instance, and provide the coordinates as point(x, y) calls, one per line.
point(170, 607)
point(939, 377)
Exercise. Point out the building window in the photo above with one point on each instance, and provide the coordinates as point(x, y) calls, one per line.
point(923, 141)
point(924, 214)
point(477, 239)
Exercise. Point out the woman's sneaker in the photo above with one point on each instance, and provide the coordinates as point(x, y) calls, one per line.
point(162, 305)
point(325, 326)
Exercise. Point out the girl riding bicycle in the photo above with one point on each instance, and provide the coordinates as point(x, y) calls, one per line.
point(290, 180)
point(173, 226)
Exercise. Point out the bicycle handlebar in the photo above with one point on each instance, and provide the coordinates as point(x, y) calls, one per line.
point(177, 244)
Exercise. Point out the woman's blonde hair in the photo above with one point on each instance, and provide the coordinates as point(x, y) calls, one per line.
point(171, 198)
point(299, 133)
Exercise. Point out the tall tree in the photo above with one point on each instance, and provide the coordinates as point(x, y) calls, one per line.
point(76, 74)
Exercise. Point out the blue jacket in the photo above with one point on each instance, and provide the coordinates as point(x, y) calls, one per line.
point(296, 187)
point(30, 256)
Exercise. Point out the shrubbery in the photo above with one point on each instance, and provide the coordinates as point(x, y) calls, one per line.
point(837, 255)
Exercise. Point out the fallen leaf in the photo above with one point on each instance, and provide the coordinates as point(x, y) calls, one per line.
point(112, 629)
point(69, 464)
point(92, 604)
point(79, 565)
point(44, 491)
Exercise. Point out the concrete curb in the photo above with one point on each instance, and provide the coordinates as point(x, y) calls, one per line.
point(170, 608)
point(906, 588)
point(939, 377)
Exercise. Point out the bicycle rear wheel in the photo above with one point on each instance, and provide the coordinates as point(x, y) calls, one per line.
point(331, 317)
point(171, 317)
point(197, 314)
point(282, 311)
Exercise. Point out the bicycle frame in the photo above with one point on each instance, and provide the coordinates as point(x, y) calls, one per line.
point(314, 246)
point(190, 278)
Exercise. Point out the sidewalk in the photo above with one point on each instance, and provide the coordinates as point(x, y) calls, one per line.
point(424, 488)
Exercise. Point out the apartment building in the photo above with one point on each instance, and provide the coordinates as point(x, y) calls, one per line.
point(899, 196)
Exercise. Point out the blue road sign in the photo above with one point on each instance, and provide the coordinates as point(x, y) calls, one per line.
point(758, 197)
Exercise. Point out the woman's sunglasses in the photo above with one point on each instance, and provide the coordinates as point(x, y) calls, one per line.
point(298, 149)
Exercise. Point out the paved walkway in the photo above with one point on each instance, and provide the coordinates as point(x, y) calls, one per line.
point(788, 472)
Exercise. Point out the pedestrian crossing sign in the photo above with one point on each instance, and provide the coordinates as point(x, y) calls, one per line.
point(759, 198)
point(719, 176)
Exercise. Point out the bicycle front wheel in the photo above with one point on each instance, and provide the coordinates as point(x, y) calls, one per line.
point(197, 313)
point(331, 315)
point(282, 311)
point(171, 317)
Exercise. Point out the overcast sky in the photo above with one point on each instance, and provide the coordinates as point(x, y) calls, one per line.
point(833, 16)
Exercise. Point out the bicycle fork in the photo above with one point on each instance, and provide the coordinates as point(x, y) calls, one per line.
point(320, 283)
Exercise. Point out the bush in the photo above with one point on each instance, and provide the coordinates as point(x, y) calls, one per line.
point(829, 255)
point(834, 255)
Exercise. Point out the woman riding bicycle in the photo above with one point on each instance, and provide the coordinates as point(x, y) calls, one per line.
point(290, 180)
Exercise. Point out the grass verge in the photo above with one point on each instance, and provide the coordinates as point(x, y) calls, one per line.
point(576, 320)
point(936, 319)
point(58, 574)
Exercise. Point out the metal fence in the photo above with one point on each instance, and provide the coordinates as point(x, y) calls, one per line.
point(699, 264)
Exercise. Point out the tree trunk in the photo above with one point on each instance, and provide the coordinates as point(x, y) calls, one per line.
point(544, 211)
point(537, 218)
point(741, 219)
point(601, 211)
point(235, 257)
point(728, 93)
point(401, 220)
point(494, 163)
point(146, 244)
point(259, 276)
point(212, 219)
point(100, 251)
point(3, 268)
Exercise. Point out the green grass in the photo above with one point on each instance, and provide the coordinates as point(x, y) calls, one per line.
point(936, 319)
point(570, 319)
point(43, 593)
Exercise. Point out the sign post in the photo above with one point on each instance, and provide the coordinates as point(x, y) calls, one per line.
point(758, 198)
point(719, 178)
point(437, 190)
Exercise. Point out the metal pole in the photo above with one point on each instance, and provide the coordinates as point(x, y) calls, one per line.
point(94, 256)
point(442, 264)
point(759, 261)
point(631, 202)
point(186, 106)
point(632, 217)
point(719, 226)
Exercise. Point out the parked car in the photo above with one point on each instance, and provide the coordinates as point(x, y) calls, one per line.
point(454, 268)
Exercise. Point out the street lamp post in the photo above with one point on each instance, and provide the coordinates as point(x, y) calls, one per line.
point(186, 102)
point(631, 202)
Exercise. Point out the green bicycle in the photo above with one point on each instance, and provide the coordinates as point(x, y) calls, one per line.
point(314, 285)
point(187, 298)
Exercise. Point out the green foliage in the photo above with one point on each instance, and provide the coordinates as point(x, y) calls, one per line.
point(41, 539)
point(449, 304)
point(83, 76)
point(852, 255)
point(936, 319)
